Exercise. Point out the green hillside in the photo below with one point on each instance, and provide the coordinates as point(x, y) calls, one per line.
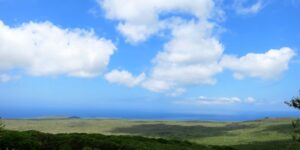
point(34, 140)
point(200, 132)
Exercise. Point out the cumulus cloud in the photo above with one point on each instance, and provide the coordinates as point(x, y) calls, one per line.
point(243, 7)
point(140, 19)
point(177, 67)
point(190, 58)
point(267, 65)
point(42, 49)
point(124, 77)
point(193, 55)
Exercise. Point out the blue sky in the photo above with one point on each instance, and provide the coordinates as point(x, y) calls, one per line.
point(110, 57)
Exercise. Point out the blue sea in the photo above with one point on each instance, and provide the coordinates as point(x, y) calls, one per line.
point(139, 115)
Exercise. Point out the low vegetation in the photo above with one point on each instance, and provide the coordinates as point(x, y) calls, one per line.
point(69, 133)
point(81, 141)
point(201, 132)
point(24, 140)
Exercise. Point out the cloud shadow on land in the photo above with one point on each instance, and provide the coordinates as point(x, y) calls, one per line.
point(283, 128)
point(273, 145)
point(179, 131)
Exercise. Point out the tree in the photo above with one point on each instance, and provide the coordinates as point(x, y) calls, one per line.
point(295, 103)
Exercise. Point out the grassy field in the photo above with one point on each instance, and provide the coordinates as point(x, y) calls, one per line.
point(201, 132)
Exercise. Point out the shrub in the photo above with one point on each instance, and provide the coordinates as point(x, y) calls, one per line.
point(77, 141)
point(295, 103)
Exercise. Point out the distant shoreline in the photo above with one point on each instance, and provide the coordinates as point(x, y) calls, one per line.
point(149, 120)
point(138, 115)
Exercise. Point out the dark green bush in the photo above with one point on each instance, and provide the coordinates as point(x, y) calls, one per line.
point(33, 140)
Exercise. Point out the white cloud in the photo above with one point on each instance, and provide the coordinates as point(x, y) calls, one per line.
point(203, 100)
point(193, 54)
point(250, 100)
point(190, 58)
point(136, 33)
point(140, 19)
point(124, 77)
point(156, 85)
point(177, 67)
point(45, 49)
point(268, 65)
point(6, 78)
point(243, 7)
